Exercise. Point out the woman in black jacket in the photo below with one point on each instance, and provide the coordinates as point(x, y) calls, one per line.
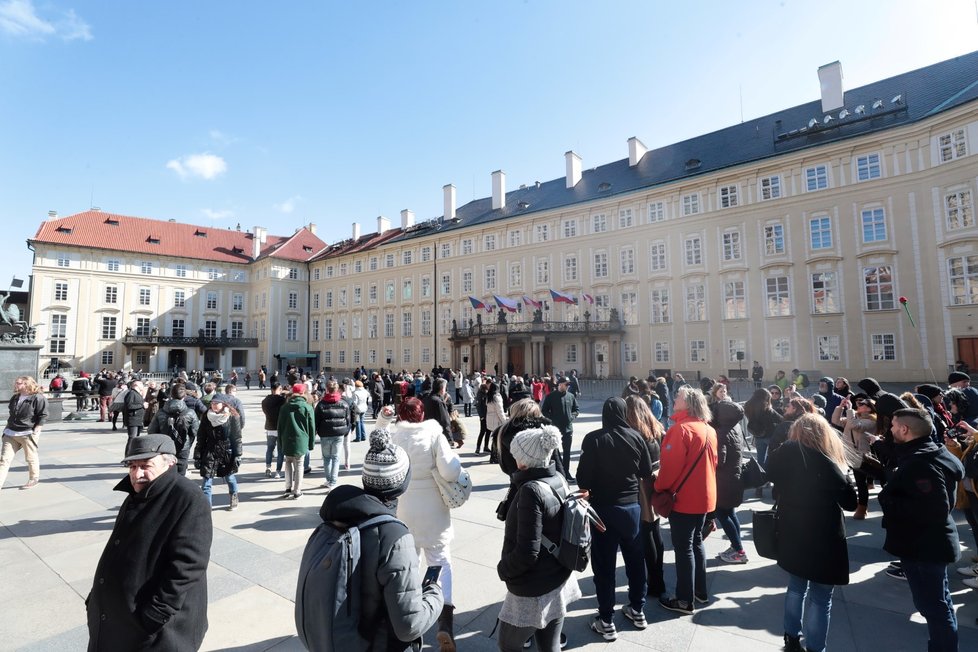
point(762, 419)
point(813, 486)
point(218, 450)
point(537, 586)
point(134, 409)
point(640, 417)
point(730, 492)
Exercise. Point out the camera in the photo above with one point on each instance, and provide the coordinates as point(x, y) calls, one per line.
point(957, 433)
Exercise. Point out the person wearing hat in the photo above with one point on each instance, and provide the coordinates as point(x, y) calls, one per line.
point(538, 586)
point(218, 450)
point(962, 381)
point(296, 436)
point(150, 585)
point(392, 596)
point(561, 408)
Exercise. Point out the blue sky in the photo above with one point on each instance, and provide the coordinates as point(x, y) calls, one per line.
point(281, 114)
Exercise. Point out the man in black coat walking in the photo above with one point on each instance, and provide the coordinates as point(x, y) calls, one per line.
point(561, 408)
point(150, 588)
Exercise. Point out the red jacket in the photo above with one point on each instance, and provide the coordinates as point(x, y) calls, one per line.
point(680, 447)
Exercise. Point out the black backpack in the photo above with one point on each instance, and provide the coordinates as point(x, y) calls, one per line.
point(180, 428)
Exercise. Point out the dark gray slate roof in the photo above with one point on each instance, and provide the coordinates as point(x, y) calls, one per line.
point(923, 93)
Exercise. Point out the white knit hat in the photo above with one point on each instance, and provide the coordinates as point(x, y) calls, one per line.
point(534, 447)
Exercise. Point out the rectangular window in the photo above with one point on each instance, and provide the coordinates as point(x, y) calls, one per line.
point(315, 273)
point(357, 267)
point(210, 328)
point(600, 265)
point(372, 293)
point(774, 239)
point(693, 248)
point(237, 301)
point(425, 254)
point(342, 298)
point(343, 268)
point(446, 250)
point(294, 273)
point(356, 325)
point(293, 300)
point(879, 287)
point(825, 293)
point(60, 291)
point(315, 301)
point(407, 289)
point(328, 328)
point(146, 267)
point(329, 298)
point(490, 279)
point(177, 327)
point(179, 299)
point(315, 330)
point(959, 210)
point(446, 284)
point(372, 265)
point(829, 349)
point(389, 325)
point(64, 260)
point(292, 330)
point(657, 256)
point(181, 271)
point(816, 178)
point(389, 260)
point(356, 356)
point(627, 261)
point(516, 275)
point(952, 145)
point(868, 167)
point(372, 326)
point(108, 328)
point(489, 243)
point(697, 351)
point(107, 358)
point(426, 322)
point(728, 197)
point(821, 232)
point(341, 329)
point(570, 354)
point(695, 302)
point(341, 356)
point(237, 329)
point(515, 238)
point(691, 204)
point(59, 333)
point(543, 232)
point(770, 188)
point(659, 305)
point(734, 300)
point(406, 356)
point(602, 306)
point(780, 349)
point(570, 269)
point(406, 324)
point(735, 347)
point(874, 225)
point(372, 356)
point(467, 247)
point(630, 352)
point(213, 274)
point(211, 301)
point(656, 211)
point(330, 270)
point(662, 352)
point(144, 296)
point(389, 292)
point(327, 357)
point(626, 218)
point(543, 271)
point(778, 298)
point(467, 281)
point(884, 346)
point(629, 308)
point(599, 223)
point(570, 228)
point(407, 257)
point(112, 265)
point(731, 246)
point(963, 278)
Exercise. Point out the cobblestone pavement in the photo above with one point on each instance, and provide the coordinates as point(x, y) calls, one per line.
point(51, 538)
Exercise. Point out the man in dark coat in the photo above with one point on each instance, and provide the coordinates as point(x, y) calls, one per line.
point(436, 408)
point(561, 408)
point(150, 588)
point(917, 501)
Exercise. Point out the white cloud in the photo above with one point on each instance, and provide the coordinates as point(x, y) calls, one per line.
point(288, 206)
point(221, 138)
point(216, 215)
point(20, 18)
point(204, 166)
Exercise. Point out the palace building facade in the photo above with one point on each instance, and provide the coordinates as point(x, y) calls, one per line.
point(789, 239)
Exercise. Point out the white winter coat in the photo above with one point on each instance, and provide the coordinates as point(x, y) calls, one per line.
point(495, 414)
point(421, 507)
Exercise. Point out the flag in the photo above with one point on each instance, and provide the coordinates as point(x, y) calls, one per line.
point(588, 298)
point(476, 303)
point(560, 297)
point(506, 304)
point(530, 302)
point(17, 282)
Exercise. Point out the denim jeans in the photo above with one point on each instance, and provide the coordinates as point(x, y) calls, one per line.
point(511, 637)
point(727, 518)
point(807, 609)
point(361, 430)
point(928, 586)
point(209, 483)
point(687, 542)
point(331, 459)
point(761, 446)
point(271, 441)
point(622, 522)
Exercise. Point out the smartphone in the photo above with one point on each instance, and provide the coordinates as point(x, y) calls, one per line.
point(431, 575)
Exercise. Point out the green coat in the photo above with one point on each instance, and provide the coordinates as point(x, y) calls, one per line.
point(296, 427)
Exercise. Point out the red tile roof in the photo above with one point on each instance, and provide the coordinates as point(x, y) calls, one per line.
point(100, 230)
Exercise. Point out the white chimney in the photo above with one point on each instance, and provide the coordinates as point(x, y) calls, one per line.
point(498, 189)
point(356, 230)
point(383, 224)
point(449, 194)
point(407, 218)
point(573, 162)
point(259, 238)
point(830, 79)
point(311, 228)
point(52, 215)
point(636, 150)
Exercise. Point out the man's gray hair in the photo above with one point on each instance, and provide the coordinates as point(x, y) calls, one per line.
point(439, 385)
point(525, 408)
point(170, 460)
point(696, 404)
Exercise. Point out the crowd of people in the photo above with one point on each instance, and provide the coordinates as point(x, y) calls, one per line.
point(823, 453)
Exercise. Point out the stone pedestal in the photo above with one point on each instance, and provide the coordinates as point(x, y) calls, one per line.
point(16, 360)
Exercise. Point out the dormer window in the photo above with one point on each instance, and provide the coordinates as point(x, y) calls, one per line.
point(111, 221)
point(153, 240)
point(64, 229)
point(307, 249)
point(200, 234)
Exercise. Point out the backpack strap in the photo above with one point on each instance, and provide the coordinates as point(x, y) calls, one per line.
point(545, 541)
point(380, 519)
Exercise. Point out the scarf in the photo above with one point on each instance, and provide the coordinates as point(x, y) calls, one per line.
point(218, 418)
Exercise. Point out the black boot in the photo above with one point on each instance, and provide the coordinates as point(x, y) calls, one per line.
point(792, 643)
point(446, 631)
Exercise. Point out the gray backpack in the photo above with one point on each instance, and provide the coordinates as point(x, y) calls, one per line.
point(577, 516)
point(327, 597)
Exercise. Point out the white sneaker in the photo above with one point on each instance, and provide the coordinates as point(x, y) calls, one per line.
point(971, 582)
point(969, 571)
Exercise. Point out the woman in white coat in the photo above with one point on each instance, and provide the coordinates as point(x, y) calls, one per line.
point(495, 417)
point(421, 507)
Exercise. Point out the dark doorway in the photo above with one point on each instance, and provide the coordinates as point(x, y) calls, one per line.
point(968, 351)
point(176, 360)
point(516, 360)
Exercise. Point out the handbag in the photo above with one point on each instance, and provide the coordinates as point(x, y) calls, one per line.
point(765, 524)
point(453, 493)
point(752, 475)
point(663, 501)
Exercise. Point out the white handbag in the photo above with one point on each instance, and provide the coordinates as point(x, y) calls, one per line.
point(454, 494)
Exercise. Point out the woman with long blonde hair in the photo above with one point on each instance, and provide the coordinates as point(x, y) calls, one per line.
point(28, 413)
point(813, 485)
point(639, 416)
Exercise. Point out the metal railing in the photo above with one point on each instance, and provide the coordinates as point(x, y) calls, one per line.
point(199, 340)
point(583, 327)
